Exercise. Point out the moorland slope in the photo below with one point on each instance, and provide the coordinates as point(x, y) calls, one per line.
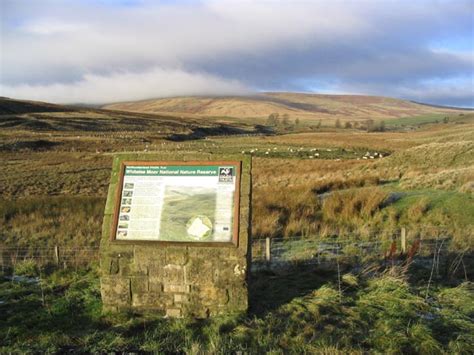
point(295, 105)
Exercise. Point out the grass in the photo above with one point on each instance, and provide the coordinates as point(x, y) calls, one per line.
point(416, 120)
point(413, 121)
point(306, 313)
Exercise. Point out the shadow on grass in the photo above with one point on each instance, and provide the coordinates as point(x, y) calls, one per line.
point(269, 290)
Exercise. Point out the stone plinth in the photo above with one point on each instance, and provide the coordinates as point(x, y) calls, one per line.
point(171, 279)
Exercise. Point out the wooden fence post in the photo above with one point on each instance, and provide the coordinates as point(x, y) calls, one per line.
point(56, 254)
point(268, 255)
point(403, 240)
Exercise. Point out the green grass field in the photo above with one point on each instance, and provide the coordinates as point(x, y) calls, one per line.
point(416, 120)
point(301, 311)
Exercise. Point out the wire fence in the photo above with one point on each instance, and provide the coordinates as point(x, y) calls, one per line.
point(317, 251)
point(49, 256)
point(266, 253)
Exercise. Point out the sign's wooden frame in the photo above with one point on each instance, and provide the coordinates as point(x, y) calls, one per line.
point(118, 197)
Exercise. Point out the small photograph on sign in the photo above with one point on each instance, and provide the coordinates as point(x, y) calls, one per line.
point(128, 185)
point(128, 193)
point(125, 209)
point(126, 201)
point(124, 217)
point(122, 234)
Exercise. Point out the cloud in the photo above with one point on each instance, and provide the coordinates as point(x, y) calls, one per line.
point(127, 86)
point(265, 45)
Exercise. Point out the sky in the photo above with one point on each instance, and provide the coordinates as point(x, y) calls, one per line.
point(102, 51)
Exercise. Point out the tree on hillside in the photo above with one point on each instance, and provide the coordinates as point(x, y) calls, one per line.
point(382, 126)
point(297, 122)
point(285, 119)
point(319, 124)
point(338, 123)
point(272, 119)
point(369, 125)
point(348, 125)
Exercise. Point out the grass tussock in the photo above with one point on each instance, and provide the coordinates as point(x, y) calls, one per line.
point(352, 207)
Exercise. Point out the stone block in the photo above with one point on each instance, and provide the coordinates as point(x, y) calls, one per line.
point(173, 274)
point(170, 288)
point(211, 295)
point(149, 255)
point(238, 297)
point(109, 266)
point(148, 299)
point(115, 291)
point(173, 312)
point(155, 284)
point(179, 298)
point(139, 284)
point(129, 268)
point(199, 271)
point(229, 274)
point(118, 251)
point(209, 253)
point(177, 256)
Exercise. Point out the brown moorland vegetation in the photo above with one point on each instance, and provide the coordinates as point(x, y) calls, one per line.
point(308, 109)
point(338, 182)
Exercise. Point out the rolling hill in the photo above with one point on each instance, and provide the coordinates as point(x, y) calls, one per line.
point(22, 115)
point(295, 105)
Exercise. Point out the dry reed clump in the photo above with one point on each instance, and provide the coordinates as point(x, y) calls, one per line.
point(38, 222)
point(353, 207)
point(287, 195)
point(340, 183)
point(284, 212)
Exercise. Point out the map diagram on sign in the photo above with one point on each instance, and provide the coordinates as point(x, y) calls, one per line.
point(178, 203)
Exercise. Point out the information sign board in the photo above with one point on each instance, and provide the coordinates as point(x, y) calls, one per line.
point(178, 202)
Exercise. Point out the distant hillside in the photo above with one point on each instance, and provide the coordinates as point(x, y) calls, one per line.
point(45, 117)
point(296, 105)
point(12, 106)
